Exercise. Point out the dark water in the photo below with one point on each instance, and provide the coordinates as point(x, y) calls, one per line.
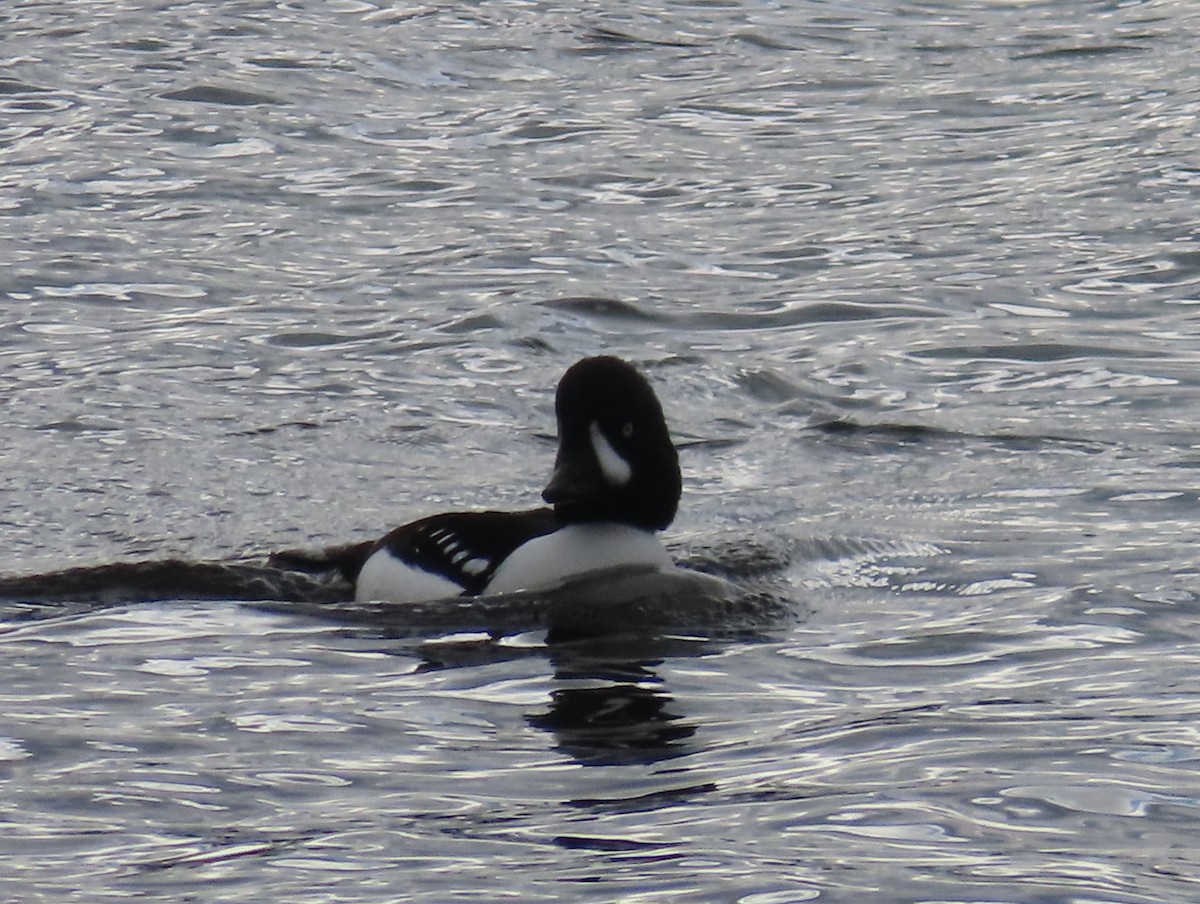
point(917, 284)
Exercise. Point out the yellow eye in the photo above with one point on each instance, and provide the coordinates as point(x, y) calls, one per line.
point(627, 430)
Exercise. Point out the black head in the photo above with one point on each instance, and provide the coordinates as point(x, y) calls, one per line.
point(615, 458)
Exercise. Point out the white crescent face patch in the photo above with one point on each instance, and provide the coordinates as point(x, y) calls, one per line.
point(615, 469)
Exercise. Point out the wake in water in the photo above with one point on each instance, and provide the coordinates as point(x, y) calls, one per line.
point(716, 590)
point(723, 586)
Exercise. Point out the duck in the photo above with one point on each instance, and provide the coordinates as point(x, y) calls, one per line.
point(615, 485)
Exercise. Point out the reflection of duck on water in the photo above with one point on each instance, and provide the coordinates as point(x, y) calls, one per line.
point(610, 704)
point(614, 723)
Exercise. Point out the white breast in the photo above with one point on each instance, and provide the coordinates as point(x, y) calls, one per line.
point(575, 550)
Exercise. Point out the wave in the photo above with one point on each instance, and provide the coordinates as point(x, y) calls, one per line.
point(688, 599)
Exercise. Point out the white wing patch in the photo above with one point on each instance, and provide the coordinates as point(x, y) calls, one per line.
point(460, 556)
point(475, 567)
point(615, 469)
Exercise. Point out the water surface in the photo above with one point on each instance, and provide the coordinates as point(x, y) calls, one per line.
point(916, 284)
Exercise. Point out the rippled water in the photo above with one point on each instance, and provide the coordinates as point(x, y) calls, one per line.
point(917, 286)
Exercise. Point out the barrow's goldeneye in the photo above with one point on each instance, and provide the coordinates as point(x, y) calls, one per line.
point(616, 482)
